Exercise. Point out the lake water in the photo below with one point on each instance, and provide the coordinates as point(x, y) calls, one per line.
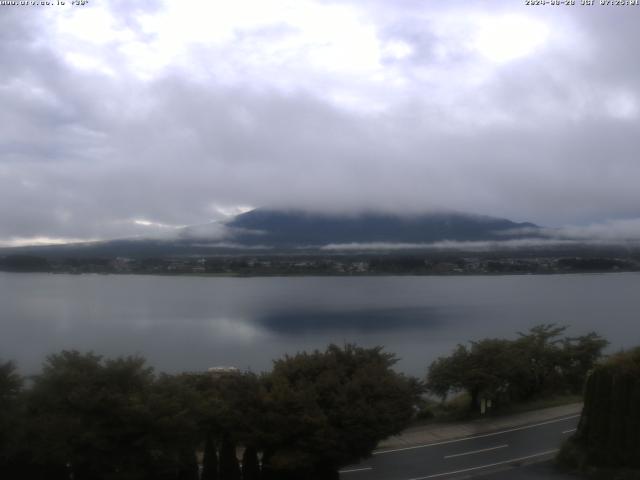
point(192, 323)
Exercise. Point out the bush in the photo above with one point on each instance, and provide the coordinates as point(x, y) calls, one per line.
point(425, 413)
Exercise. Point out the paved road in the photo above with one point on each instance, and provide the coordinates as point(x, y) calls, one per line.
point(537, 471)
point(466, 457)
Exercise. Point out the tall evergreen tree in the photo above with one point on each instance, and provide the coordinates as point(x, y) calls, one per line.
point(229, 466)
point(210, 459)
point(11, 419)
point(608, 434)
point(250, 464)
point(188, 469)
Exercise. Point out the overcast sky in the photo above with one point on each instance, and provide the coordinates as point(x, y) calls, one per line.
point(125, 118)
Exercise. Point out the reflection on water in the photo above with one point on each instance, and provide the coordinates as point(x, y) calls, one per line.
point(191, 323)
point(295, 322)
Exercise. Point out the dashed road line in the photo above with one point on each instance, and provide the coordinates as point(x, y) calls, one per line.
point(485, 435)
point(354, 470)
point(476, 451)
point(471, 469)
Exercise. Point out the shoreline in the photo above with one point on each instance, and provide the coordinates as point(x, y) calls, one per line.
point(323, 275)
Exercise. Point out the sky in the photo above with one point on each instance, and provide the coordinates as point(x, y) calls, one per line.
point(133, 118)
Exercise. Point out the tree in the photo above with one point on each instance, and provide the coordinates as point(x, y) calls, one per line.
point(447, 374)
point(490, 371)
point(210, 459)
point(188, 465)
point(608, 434)
point(66, 407)
point(324, 410)
point(110, 419)
point(484, 371)
point(540, 350)
point(250, 464)
point(11, 418)
point(24, 263)
point(581, 355)
point(175, 409)
point(538, 362)
point(229, 466)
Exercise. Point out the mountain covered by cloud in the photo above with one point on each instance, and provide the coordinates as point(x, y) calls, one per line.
point(271, 229)
point(126, 119)
point(295, 228)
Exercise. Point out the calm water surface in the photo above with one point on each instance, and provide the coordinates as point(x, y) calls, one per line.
point(192, 323)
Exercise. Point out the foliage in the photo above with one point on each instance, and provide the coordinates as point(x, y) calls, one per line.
point(10, 409)
point(581, 354)
point(328, 409)
point(109, 419)
point(209, 460)
point(24, 263)
point(229, 466)
point(608, 434)
point(86, 417)
point(250, 464)
point(175, 433)
point(538, 362)
point(114, 419)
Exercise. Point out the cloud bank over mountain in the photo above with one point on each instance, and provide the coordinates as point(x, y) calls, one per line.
point(126, 119)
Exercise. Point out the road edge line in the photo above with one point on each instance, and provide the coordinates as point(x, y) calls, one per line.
point(473, 437)
point(471, 469)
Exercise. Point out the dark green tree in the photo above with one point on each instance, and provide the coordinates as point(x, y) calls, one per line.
point(110, 419)
point(210, 459)
point(538, 362)
point(66, 404)
point(447, 374)
point(230, 410)
point(608, 434)
point(324, 410)
point(490, 370)
point(11, 420)
point(541, 361)
point(581, 355)
point(188, 465)
point(175, 408)
point(229, 466)
point(484, 371)
point(250, 464)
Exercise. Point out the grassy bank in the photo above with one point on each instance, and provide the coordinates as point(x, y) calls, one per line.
point(458, 408)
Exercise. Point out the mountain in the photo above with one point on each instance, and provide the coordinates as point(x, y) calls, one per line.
point(295, 230)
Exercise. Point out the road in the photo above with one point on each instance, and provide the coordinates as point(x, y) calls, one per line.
point(466, 457)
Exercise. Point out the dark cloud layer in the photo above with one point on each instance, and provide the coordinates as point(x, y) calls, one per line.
point(126, 120)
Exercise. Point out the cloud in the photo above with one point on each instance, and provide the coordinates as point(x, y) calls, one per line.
point(209, 231)
point(620, 230)
point(177, 115)
point(470, 246)
point(37, 241)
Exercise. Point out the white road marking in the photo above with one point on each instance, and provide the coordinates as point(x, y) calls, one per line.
point(548, 422)
point(476, 451)
point(356, 470)
point(486, 466)
point(569, 431)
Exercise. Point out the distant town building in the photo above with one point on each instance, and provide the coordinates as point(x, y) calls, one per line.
point(223, 370)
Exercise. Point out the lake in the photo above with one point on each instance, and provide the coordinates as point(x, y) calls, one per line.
point(192, 323)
